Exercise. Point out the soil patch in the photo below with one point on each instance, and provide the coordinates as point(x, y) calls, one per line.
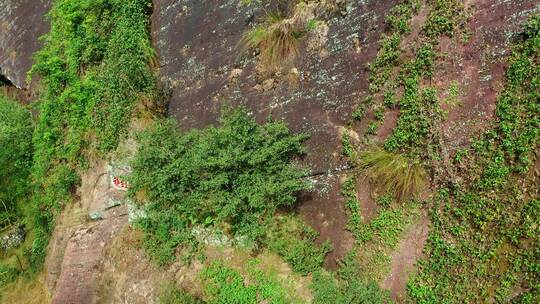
point(368, 206)
point(404, 258)
point(127, 275)
point(84, 228)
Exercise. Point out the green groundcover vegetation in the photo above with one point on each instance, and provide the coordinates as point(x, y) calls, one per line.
point(225, 285)
point(241, 178)
point(93, 67)
point(16, 127)
point(485, 239)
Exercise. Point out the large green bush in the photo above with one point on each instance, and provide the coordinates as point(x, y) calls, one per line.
point(234, 176)
point(15, 156)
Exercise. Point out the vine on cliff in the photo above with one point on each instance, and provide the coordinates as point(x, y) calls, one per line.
point(94, 66)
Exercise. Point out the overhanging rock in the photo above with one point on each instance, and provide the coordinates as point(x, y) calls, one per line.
point(22, 22)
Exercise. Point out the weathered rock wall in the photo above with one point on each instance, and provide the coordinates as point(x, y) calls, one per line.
point(478, 65)
point(22, 22)
point(196, 42)
point(200, 62)
point(83, 232)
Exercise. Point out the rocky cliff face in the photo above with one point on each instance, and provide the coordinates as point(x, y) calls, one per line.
point(202, 65)
point(22, 22)
point(204, 70)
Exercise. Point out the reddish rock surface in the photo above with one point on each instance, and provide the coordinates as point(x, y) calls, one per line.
point(477, 66)
point(77, 250)
point(196, 44)
point(404, 259)
point(325, 214)
point(22, 22)
point(200, 65)
point(81, 266)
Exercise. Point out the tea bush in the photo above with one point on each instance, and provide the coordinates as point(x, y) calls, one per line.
point(482, 245)
point(236, 174)
point(224, 285)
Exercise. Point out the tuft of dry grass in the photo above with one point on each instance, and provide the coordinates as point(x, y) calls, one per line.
point(393, 172)
point(277, 40)
point(26, 291)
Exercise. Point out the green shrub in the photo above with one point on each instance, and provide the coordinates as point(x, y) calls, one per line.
point(238, 173)
point(398, 21)
point(445, 18)
point(454, 94)
point(386, 59)
point(355, 290)
point(517, 108)
point(348, 148)
point(15, 157)
point(325, 288)
point(419, 110)
point(94, 66)
point(295, 242)
point(385, 200)
point(354, 222)
point(386, 227)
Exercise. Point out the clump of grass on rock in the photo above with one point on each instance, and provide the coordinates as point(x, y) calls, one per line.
point(278, 38)
point(393, 172)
